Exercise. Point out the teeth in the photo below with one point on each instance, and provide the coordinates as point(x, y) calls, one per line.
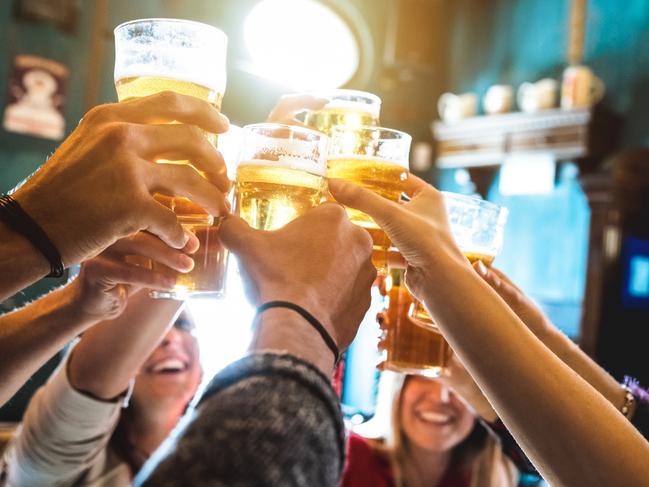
point(432, 417)
point(171, 364)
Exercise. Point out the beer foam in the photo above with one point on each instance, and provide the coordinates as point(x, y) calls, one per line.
point(363, 157)
point(357, 106)
point(214, 81)
point(290, 162)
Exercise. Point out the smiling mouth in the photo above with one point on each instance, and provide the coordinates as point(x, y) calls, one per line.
point(170, 366)
point(431, 417)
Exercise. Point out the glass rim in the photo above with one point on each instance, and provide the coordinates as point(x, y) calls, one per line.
point(476, 200)
point(294, 128)
point(202, 25)
point(374, 99)
point(366, 128)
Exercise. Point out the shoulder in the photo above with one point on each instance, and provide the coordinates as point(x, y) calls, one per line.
point(365, 466)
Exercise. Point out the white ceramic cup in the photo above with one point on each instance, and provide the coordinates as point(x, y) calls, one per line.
point(452, 107)
point(541, 95)
point(580, 88)
point(498, 99)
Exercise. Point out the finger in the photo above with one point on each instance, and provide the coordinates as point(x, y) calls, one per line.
point(145, 244)
point(504, 277)
point(510, 294)
point(289, 105)
point(113, 273)
point(381, 209)
point(169, 106)
point(184, 180)
point(179, 142)
point(163, 223)
point(235, 233)
point(415, 185)
point(381, 366)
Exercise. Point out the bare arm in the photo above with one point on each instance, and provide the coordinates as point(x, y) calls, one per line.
point(571, 432)
point(20, 263)
point(31, 335)
point(560, 344)
point(109, 355)
point(37, 331)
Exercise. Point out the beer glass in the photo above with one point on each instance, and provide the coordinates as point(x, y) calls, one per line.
point(375, 158)
point(346, 108)
point(408, 347)
point(280, 175)
point(154, 55)
point(478, 227)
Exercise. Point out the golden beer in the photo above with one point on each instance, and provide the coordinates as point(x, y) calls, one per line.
point(324, 120)
point(407, 347)
point(418, 312)
point(270, 196)
point(382, 176)
point(186, 57)
point(346, 108)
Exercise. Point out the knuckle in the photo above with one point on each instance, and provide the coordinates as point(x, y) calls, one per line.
point(172, 100)
point(118, 135)
point(97, 114)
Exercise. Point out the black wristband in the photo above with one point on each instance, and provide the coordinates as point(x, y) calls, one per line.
point(15, 217)
point(309, 318)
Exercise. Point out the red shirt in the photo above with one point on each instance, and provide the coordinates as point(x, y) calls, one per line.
point(365, 468)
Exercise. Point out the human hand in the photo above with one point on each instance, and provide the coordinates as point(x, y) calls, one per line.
point(98, 185)
point(419, 228)
point(319, 261)
point(516, 299)
point(289, 106)
point(105, 282)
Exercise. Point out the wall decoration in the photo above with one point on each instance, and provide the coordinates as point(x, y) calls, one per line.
point(62, 13)
point(37, 88)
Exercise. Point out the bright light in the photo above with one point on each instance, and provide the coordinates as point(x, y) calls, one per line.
point(301, 43)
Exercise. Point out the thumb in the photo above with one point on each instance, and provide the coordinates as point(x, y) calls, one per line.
point(235, 233)
point(379, 208)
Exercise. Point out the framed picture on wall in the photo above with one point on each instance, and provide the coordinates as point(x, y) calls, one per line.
point(36, 98)
point(62, 13)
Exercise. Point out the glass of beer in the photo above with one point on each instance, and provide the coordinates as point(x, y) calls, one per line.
point(154, 55)
point(408, 347)
point(280, 175)
point(478, 228)
point(346, 108)
point(375, 158)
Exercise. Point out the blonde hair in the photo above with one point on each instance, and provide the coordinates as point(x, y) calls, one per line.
point(479, 452)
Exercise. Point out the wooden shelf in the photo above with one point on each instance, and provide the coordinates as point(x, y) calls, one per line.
point(487, 140)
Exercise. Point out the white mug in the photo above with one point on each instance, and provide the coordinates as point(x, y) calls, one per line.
point(452, 107)
point(541, 95)
point(498, 99)
point(580, 88)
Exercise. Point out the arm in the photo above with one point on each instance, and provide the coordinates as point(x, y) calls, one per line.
point(530, 388)
point(31, 335)
point(273, 417)
point(20, 263)
point(109, 355)
point(544, 330)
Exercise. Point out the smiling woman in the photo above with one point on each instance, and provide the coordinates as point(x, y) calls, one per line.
point(301, 43)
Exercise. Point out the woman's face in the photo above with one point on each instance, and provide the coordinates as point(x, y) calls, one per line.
point(172, 373)
point(433, 417)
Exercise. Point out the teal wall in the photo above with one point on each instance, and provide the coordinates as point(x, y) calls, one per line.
point(513, 41)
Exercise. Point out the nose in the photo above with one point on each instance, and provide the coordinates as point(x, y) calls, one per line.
point(172, 337)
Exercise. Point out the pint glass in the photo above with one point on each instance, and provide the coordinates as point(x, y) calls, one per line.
point(346, 108)
point(375, 158)
point(280, 175)
point(154, 55)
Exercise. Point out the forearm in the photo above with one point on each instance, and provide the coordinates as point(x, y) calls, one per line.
point(567, 429)
point(110, 354)
point(587, 368)
point(31, 335)
point(20, 263)
point(267, 419)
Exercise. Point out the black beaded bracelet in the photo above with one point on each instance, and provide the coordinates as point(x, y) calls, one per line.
point(15, 217)
point(309, 318)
